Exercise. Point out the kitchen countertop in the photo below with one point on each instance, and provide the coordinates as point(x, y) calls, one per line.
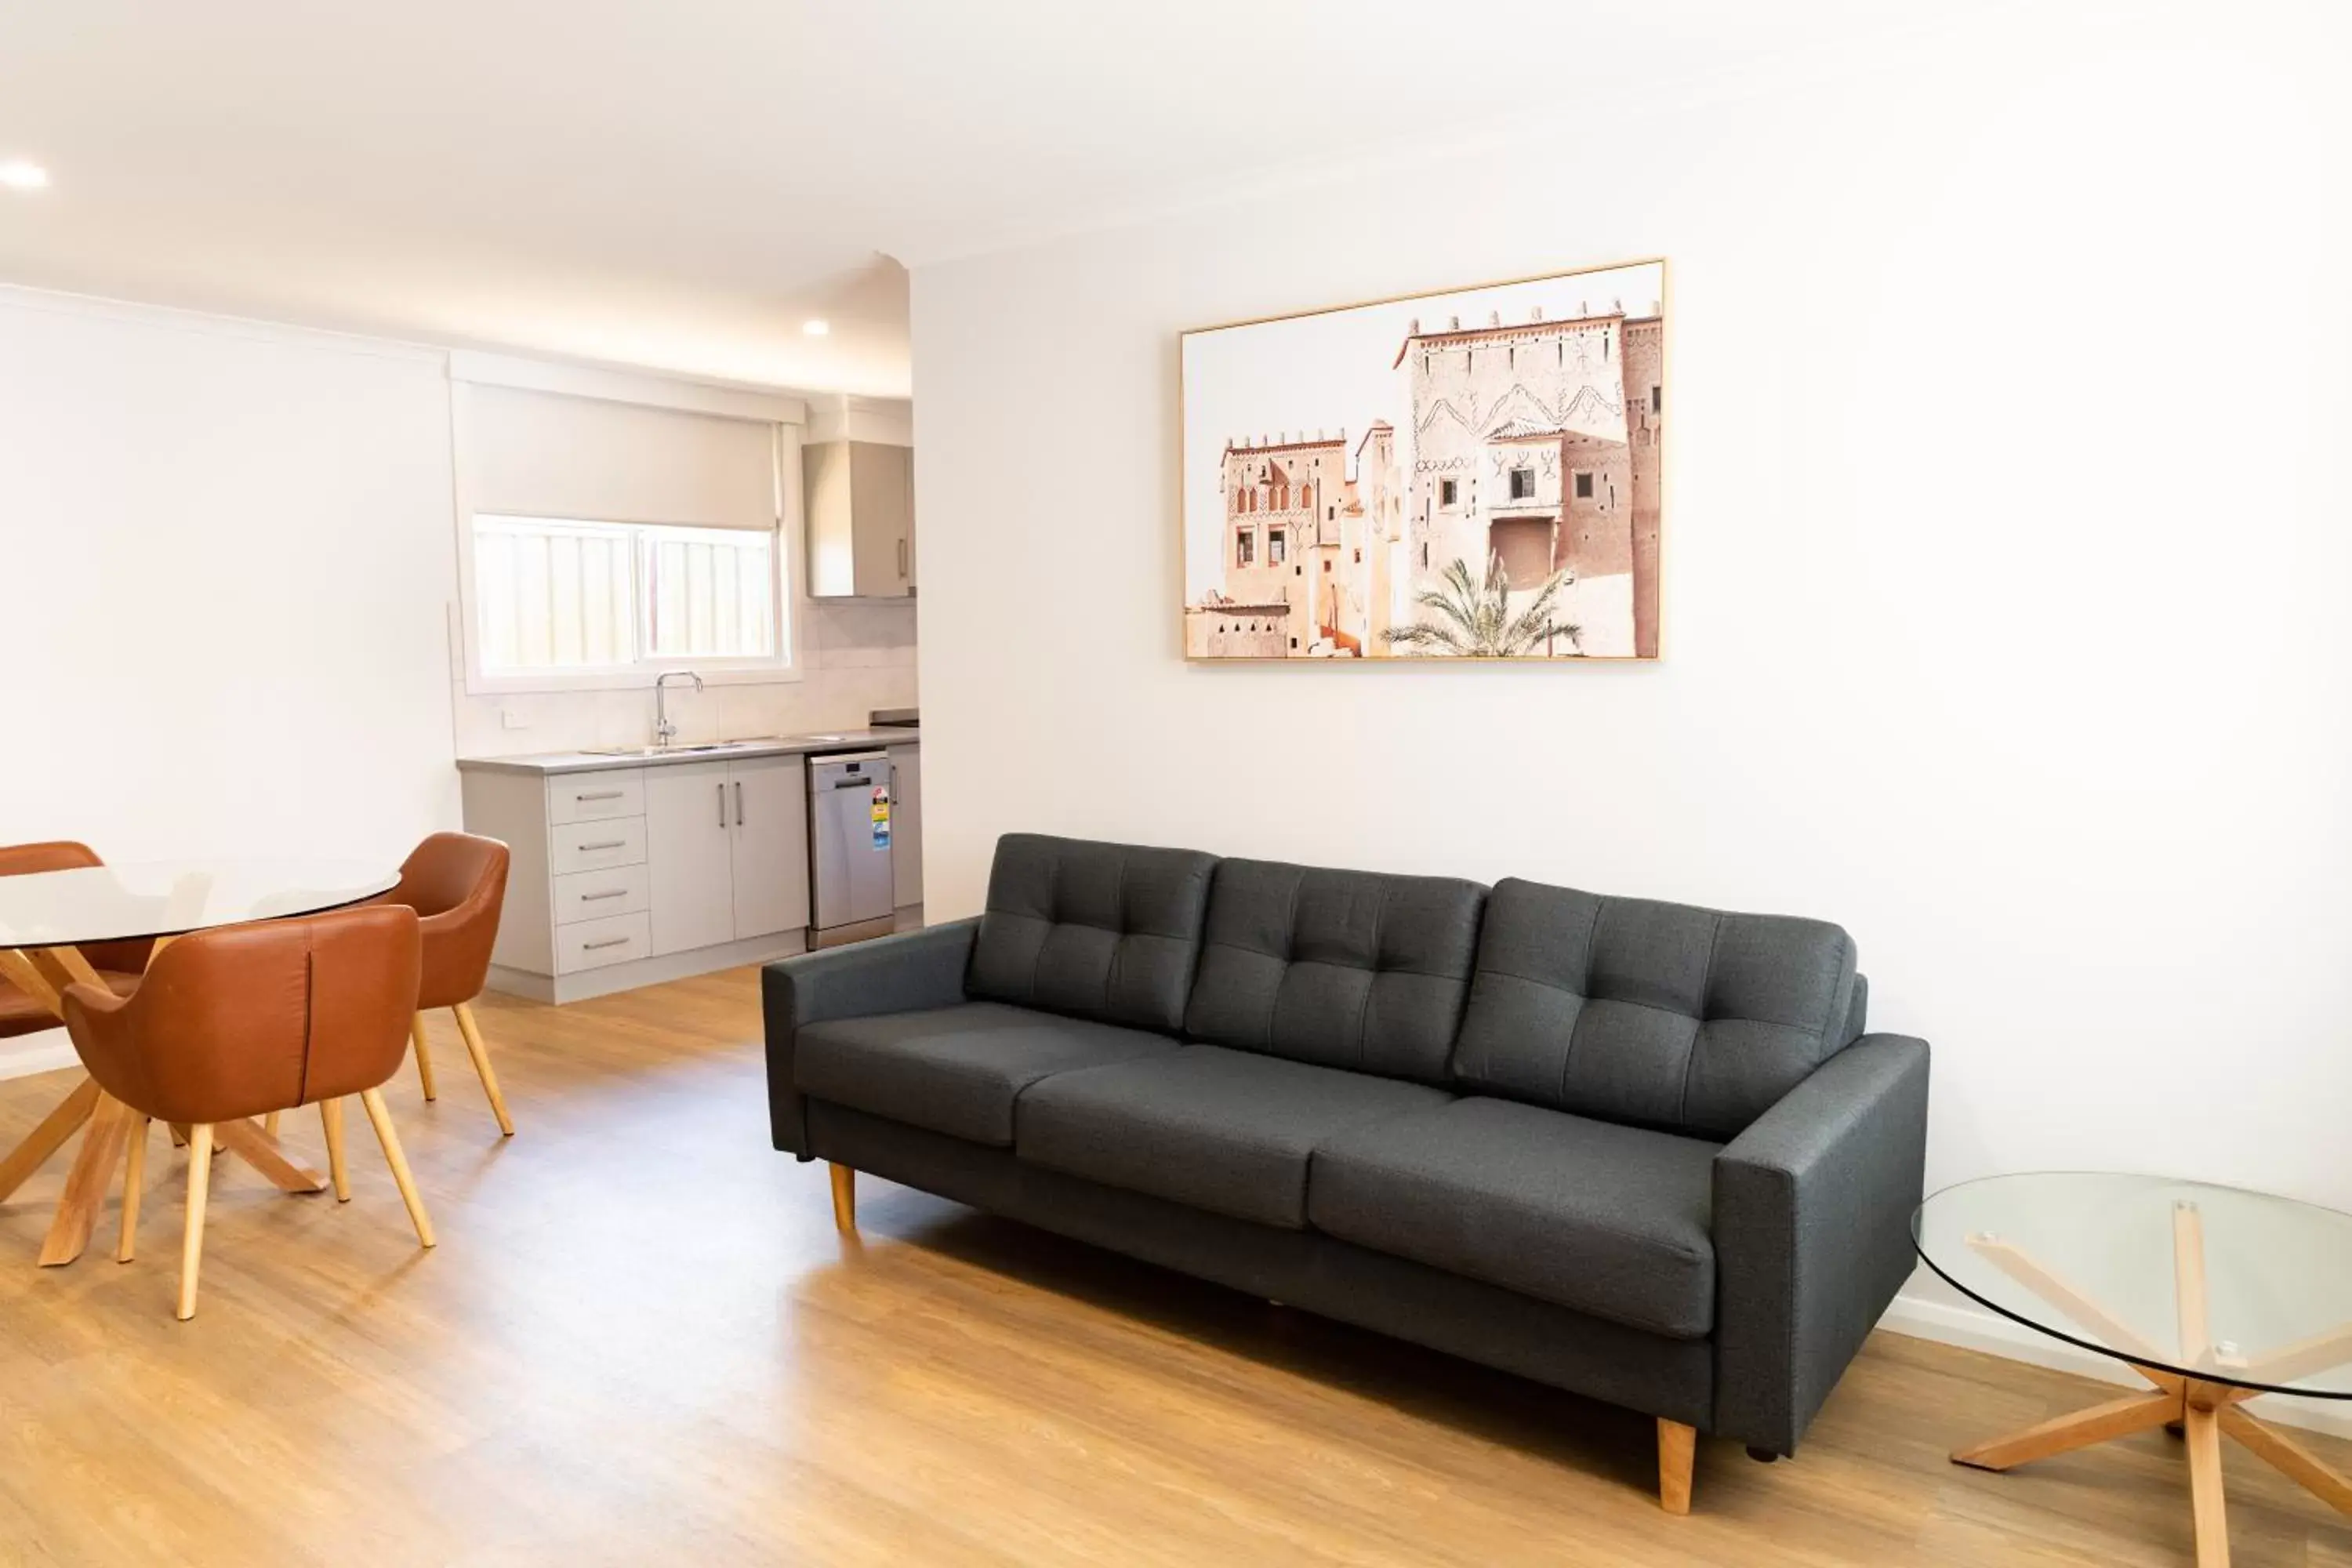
point(546, 763)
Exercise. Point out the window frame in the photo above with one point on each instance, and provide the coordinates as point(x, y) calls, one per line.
point(792, 602)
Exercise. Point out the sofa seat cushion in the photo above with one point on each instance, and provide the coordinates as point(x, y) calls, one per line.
point(1607, 1219)
point(1230, 1131)
point(955, 1069)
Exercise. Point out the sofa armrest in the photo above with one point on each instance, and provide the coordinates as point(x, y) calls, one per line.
point(1812, 1234)
point(899, 973)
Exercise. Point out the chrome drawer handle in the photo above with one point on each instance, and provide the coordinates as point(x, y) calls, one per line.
point(608, 942)
point(605, 843)
point(608, 893)
point(600, 795)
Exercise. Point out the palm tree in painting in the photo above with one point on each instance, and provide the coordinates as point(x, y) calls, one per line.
point(1468, 619)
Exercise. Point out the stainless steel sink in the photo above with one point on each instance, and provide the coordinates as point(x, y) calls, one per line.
point(668, 750)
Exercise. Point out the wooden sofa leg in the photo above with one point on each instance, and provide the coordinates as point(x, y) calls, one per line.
point(1677, 1447)
point(845, 1197)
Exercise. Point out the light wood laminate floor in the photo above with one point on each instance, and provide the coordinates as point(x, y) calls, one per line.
point(641, 1341)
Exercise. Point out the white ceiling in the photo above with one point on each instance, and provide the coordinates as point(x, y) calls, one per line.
point(679, 184)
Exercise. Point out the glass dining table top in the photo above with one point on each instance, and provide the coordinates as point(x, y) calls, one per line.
point(2213, 1283)
point(171, 898)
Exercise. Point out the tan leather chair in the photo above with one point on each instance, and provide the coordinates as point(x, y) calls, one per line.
point(236, 1023)
point(456, 883)
point(119, 963)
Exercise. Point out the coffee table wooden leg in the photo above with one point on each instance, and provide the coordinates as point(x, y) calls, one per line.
point(50, 1136)
point(2204, 1434)
point(87, 1183)
point(2102, 1324)
point(2079, 1430)
point(2188, 1282)
point(2291, 1458)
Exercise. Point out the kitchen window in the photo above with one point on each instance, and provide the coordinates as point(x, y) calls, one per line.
point(559, 596)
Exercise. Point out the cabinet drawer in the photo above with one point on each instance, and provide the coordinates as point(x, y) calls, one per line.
point(600, 895)
point(593, 944)
point(589, 797)
point(597, 845)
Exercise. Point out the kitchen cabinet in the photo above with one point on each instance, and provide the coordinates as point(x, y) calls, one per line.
point(907, 824)
point(651, 870)
point(860, 513)
point(768, 857)
point(691, 854)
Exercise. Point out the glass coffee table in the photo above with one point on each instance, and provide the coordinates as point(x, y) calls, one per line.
point(2213, 1295)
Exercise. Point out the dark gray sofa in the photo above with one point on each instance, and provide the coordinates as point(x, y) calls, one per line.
point(1636, 1150)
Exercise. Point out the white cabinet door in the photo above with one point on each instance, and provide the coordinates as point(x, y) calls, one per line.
point(767, 807)
point(909, 513)
point(907, 824)
point(689, 843)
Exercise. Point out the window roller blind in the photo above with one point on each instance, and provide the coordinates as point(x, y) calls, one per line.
point(545, 453)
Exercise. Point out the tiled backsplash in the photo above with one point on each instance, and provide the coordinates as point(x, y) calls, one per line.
point(856, 657)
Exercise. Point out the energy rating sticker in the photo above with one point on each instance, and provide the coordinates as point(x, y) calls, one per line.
point(881, 817)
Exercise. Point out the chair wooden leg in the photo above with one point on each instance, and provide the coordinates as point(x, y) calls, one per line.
point(424, 1054)
point(200, 1186)
point(472, 1033)
point(1677, 1448)
point(134, 1178)
point(269, 1124)
point(845, 1197)
point(381, 1119)
point(330, 1120)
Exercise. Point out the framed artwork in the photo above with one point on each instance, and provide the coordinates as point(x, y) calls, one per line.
point(1474, 474)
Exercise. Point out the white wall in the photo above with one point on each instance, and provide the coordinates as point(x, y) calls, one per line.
point(2006, 560)
point(227, 551)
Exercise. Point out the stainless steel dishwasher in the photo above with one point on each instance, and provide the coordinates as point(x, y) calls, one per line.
point(849, 848)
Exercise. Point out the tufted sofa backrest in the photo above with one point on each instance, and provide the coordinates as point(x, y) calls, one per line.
point(1345, 969)
point(1660, 1015)
point(1107, 932)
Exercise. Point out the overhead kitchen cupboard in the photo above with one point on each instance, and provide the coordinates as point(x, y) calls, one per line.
point(860, 500)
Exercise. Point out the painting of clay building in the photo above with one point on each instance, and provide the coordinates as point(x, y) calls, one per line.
point(1484, 481)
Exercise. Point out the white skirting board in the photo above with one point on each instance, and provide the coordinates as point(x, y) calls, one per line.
point(1975, 1328)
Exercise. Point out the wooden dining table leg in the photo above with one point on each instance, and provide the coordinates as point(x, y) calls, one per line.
point(88, 1181)
point(62, 1122)
point(18, 969)
point(257, 1148)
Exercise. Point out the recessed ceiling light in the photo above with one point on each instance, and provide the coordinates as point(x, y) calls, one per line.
point(815, 328)
point(21, 175)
